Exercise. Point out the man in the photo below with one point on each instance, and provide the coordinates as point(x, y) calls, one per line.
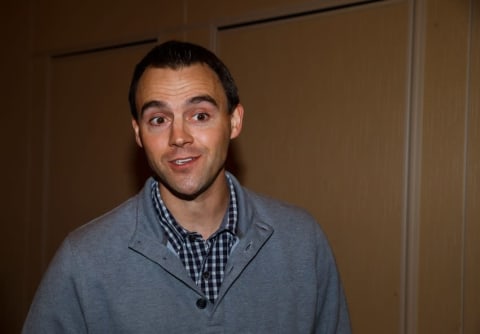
point(194, 251)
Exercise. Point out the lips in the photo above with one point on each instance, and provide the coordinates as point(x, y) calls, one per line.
point(183, 161)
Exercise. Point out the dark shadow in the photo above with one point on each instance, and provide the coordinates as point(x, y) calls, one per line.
point(139, 166)
point(234, 162)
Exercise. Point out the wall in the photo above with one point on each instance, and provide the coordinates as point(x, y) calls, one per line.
point(15, 88)
point(368, 116)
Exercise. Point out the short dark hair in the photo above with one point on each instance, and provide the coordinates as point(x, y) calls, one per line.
point(175, 55)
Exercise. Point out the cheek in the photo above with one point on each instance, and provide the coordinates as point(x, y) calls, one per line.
point(215, 140)
point(153, 145)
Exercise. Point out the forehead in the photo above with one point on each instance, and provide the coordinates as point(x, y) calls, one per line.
point(181, 83)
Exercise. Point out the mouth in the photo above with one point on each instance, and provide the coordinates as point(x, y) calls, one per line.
point(183, 161)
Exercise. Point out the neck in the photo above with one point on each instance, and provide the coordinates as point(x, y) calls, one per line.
point(205, 213)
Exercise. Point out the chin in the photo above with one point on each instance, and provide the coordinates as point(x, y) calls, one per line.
point(187, 192)
point(186, 195)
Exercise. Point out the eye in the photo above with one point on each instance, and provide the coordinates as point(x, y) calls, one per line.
point(201, 117)
point(157, 120)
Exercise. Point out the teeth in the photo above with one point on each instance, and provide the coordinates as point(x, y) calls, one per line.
point(183, 161)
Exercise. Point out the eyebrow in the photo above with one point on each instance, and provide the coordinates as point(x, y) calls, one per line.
point(202, 98)
point(152, 104)
point(194, 100)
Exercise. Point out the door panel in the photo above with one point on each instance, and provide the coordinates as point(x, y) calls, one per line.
point(325, 128)
point(93, 161)
point(471, 292)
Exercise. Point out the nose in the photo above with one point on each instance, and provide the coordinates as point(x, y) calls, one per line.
point(179, 134)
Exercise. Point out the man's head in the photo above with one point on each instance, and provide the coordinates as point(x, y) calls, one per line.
point(175, 55)
point(184, 120)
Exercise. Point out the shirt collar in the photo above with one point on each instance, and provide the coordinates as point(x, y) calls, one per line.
point(176, 234)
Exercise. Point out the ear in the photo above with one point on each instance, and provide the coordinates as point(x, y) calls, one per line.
point(136, 129)
point(236, 121)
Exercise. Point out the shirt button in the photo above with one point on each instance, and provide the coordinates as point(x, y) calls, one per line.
point(201, 303)
point(206, 275)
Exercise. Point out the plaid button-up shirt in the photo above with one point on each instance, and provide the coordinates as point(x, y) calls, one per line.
point(204, 260)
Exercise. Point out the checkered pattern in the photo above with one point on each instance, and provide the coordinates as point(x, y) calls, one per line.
point(204, 260)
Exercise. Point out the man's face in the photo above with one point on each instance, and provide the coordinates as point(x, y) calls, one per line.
point(185, 128)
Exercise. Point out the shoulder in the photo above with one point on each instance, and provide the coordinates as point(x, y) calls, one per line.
point(266, 207)
point(95, 246)
point(296, 234)
point(114, 223)
point(113, 232)
point(284, 217)
point(279, 214)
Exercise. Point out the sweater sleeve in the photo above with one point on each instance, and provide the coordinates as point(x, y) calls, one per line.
point(56, 307)
point(332, 310)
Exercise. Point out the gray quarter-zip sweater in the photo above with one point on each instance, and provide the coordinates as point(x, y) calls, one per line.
point(117, 275)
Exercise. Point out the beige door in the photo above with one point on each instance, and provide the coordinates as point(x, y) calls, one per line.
point(92, 160)
point(325, 128)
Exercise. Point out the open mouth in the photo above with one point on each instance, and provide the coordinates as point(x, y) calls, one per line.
point(180, 162)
